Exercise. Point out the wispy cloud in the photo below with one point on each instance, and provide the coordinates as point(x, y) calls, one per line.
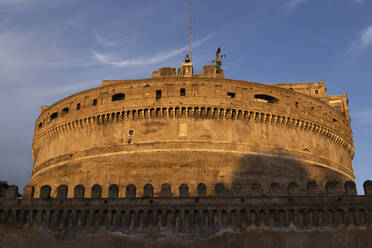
point(28, 50)
point(103, 41)
point(364, 40)
point(366, 37)
point(110, 60)
point(364, 117)
point(19, 5)
point(295, 3)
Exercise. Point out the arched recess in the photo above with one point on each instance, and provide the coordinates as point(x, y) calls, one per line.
point(96, 191)
point(184, 190)
point(148, 190)
point(220, 189)
point(45, 191)
point(202, 189)
point(165, 190)
point(62, 191)
point(131, 191)
point(113, 191)
point(79, 191)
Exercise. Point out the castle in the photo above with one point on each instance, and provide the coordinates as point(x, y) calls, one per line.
point(191, 160)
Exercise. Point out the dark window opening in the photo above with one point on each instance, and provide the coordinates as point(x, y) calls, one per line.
point(231, 94)
point(54, 115)
point(94, 102)
point(65, 110)
point(265, 98)
point(182, 92)
point(316, 91)
point(296, 104)
point(118, 97)
point(40, 124)
point(78, 106)
point(158, 94)
point(334, 120)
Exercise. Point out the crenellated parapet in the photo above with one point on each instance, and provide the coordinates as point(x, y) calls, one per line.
point(185, 217)
point(274, 189)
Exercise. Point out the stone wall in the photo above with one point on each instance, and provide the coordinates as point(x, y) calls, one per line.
point(316, 218)
point(190, 130)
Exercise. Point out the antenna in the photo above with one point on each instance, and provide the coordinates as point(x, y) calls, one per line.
point(190, 31)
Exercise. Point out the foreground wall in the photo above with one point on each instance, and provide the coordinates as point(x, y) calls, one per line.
point(332, 218)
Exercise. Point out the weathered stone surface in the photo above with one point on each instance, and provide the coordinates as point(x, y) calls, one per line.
point(187, 130)
point(298, 221)
point(185, 160)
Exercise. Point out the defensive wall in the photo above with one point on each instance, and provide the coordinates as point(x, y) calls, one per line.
point(285, 217)
point(179, 129)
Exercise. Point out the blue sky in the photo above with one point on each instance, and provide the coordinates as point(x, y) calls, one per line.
point(50, 49)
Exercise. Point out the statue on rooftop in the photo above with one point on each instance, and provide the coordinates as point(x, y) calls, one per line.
point(218, 59)
point(187, 59)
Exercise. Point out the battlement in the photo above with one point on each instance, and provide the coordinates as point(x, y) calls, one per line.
point(189, 217)
point(275, 189)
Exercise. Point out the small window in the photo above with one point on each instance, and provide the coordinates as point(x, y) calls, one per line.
point(40, 124)
point(158, 94)
point(316, 91)
point(65, 110)
point(231, 94)
point(265, 98)
point(54, 115)
point(78, 106)
point(94, 102)
point(118, 97)
point(182, 92)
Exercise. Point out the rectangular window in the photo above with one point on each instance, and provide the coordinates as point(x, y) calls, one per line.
point(182, 92)
point(78, 106)
point(316, 91)
point(94, 102)
point(158, 94)
point(231, 94)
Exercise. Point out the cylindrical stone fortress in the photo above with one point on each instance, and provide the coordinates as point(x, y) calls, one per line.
point(191, 129)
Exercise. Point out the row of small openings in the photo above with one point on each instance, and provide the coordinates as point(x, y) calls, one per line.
point(78, 105)
point(64, 111)
point(158, 93)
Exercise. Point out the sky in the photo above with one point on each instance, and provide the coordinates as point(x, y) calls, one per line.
point(50, 49)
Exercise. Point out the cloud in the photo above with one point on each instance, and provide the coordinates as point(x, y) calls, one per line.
point(364, 40)
point(110, 60)
point(364, 117)
point(366, 37)
point(27, 50)
point(295, 3)
point(19, 5)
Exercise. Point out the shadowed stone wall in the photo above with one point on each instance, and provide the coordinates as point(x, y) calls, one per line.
point(284, 218)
